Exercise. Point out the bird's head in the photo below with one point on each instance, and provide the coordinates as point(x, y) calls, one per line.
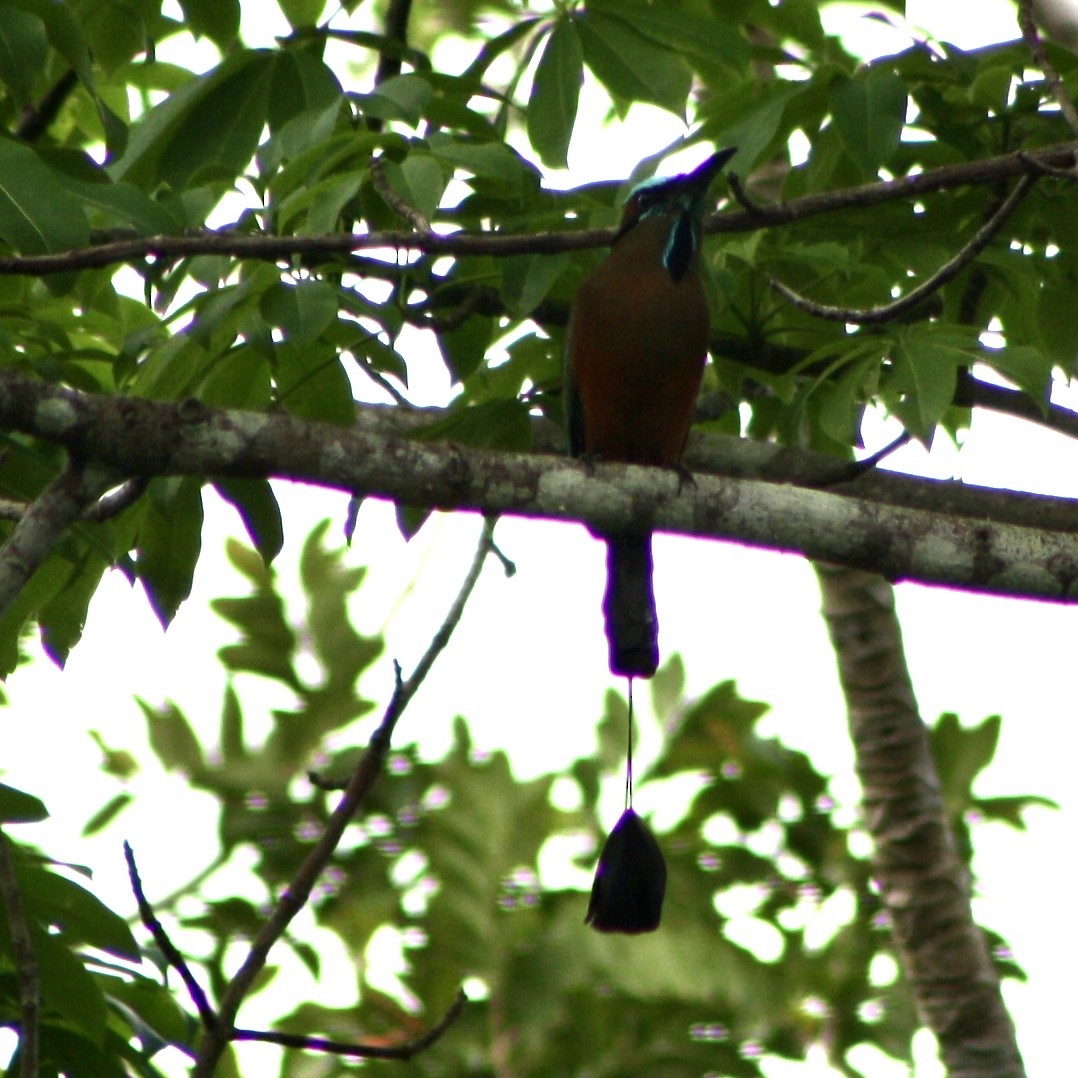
point(683, 199)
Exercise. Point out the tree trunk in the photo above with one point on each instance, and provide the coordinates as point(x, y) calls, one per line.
point(923, 883)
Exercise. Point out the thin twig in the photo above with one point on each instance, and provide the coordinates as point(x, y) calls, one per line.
point(105, 508)
point(26, 966)
point(404, 1050)
point(947, 272)
point(36, 119)
point(355, 794)
point(272, 248)
point(744, 199)
point(394, 199)
point(167, 947)
point(1040, 57)
point(116, 501)
point(396, 29)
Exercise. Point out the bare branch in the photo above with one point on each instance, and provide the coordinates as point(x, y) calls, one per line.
point(26, 967)
point(335, 245)
point(36, 119)
point(395, 201)
point(116, 501)
point(43, 524)
point(355, 794)
point(405, 1050)
point(1040, 58)
point(947, 272)
point(172, 954)
point(396, 30)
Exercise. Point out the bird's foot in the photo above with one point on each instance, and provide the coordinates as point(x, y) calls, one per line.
point(685, 478)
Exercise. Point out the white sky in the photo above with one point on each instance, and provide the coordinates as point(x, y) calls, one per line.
point(528, 664)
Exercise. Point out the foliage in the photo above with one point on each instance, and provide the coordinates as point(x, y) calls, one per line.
point(111, 142)
point(106, 141)
point(477, 874)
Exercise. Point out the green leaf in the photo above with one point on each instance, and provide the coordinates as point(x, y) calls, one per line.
point(487, 160)
point(219, 20)
point(65, 33)
point(496, 424)
point(304, 311)
point(1028, 367)
point(1010, 809)
point(312, 384)
point(172, 738)
point(528, 279)
point(403, 98)
point(169, 543)
point(925, 375)
point(19, 807)
point(301, 13)
point(63, 617)
point(869, 113)
point(494, 48)
point(23, 45)
point(302, 85)
point(55, 901)
point(630, 66)
point(420, 180)
point(267, 640)
point(555, 93)
point(106, 814)
point(66, 986)
point(749, 116)
point(254, 500)
point(38, 215)
point(48, 580)
point(209, 127)
point(708, 39)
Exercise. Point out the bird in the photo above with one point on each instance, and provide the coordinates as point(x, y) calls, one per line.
point(636, 347)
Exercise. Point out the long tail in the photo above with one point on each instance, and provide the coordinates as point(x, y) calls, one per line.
point(632, 626)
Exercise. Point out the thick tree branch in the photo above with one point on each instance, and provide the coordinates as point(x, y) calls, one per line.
point(827, 518)
point(923, 883)
point(281, 248)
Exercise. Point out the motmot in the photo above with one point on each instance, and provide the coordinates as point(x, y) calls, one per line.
point(636, 348)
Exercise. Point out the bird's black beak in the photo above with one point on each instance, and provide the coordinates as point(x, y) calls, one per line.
point(701, 177)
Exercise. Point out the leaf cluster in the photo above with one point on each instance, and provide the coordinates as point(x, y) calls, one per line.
point(482, 877)
point(280, 140)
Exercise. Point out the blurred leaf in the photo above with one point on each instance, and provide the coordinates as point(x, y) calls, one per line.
point(301, 13)
point(869, 113)
point(22, 51)
point(267, 640)
point(495, 424)
point(630, 66)
point(209, 127)
point(219, 20)
point(80, 917)
point(169, 543)
point(37, 214)
point(19, 807)
point(172, 738)
point(106, 814)
point(551, 113)
point(254, 500)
